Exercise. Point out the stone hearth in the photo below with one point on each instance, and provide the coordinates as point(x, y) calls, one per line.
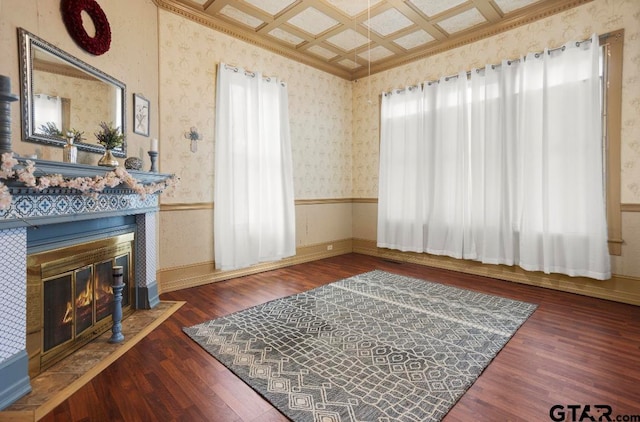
point(59, 382)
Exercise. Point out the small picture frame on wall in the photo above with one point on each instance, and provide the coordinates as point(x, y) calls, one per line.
point(140, 115)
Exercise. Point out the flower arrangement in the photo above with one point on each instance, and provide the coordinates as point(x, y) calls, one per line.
point(86, 185)
point(75, 135)
point(108, 136)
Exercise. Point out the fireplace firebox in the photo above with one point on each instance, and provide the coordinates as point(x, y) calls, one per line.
point(69, 296)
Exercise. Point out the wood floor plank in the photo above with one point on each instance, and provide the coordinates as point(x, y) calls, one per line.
point(572, 350)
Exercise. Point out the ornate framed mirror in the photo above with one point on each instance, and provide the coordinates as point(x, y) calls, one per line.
point(61, 93)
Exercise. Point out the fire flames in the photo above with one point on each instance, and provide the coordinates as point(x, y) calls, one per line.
point(85, 298)
point(68, 315)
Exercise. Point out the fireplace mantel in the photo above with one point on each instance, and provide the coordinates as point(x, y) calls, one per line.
point(71, 170)
point(64, 207)
point(33, 207)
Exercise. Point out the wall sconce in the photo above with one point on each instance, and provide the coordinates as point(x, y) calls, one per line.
point(194, 137)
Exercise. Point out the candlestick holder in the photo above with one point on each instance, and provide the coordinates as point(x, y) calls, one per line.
point(153, 155)
point(118, 285)
point(6, 97)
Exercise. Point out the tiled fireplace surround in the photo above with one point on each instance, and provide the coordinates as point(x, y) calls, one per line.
point(70, 218)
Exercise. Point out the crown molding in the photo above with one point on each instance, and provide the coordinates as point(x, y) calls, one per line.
point(518, 18)
point(248, 36)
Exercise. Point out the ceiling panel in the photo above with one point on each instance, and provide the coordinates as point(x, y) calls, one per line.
point(414, 39)
point(285, 36)
point(348, 40)
point(352, 8)
point(355, 38)
point(272, 7)
point(322, 52)
point(434, 7)
point(388, 22)
point(240, 16)
point(461, 21)
point(375, 54)
point(312, 21)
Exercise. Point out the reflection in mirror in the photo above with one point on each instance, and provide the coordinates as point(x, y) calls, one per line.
point(60, 93)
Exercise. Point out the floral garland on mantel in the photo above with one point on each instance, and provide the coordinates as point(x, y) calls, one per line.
point(86, 185)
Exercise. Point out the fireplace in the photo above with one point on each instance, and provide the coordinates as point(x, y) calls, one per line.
point(39, 224)
point(69, 296)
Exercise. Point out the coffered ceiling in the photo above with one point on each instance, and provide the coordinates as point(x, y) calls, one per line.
point(355, 38)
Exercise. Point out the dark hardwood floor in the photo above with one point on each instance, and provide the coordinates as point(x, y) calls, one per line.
point(573, 350)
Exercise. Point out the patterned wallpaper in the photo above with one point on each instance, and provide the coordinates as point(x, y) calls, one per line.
point(599, 16)
point(319, 108)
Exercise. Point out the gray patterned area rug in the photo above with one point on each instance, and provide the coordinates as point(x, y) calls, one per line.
point(373, 347)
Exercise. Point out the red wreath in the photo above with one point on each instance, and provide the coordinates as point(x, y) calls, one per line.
point(71, 14)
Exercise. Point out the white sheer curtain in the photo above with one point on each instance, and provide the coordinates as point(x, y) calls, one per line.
point(402, 172)
point(47, 110)
point(446, 125)
point(493, 163)
point(254, 219)
point(510, 166)
point(563, 216)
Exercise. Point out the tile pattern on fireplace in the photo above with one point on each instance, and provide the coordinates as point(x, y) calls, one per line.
point(26, 206)
point(145, 241)
point(13, 288)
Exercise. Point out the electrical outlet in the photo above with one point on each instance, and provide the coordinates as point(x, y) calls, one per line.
point(329, 247)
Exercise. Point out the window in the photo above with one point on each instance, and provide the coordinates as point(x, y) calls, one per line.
point(512, 166)
point(254, 218)
point(48, 113)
